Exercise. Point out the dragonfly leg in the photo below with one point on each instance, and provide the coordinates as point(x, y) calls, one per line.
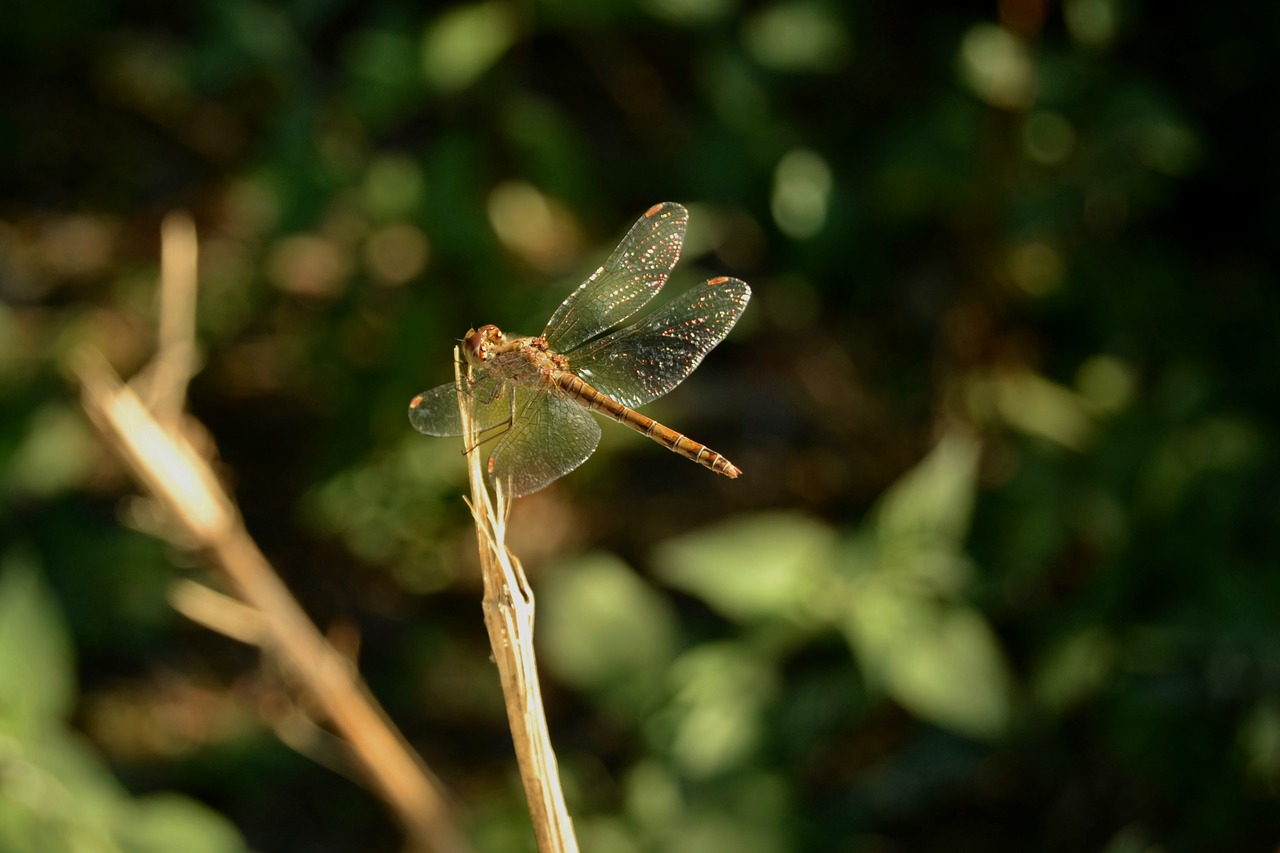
point(494, 431)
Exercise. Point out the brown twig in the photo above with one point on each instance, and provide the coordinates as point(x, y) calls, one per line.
point(166, 377)
point(508, 616)
point(165, 462)
point(217, 612)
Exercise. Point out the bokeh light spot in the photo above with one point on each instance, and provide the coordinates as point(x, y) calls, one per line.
point(1035, 267)
point(397, 253)
point(802, 184)
point(538, 229)
point(797, 36)
point(392, 186)
point(1169, 147)
point(996, 65)
point(1090, 22)
point(1107, 382)
point(308, 265)
point(1048, 138)
point(465, 42)
point(690, 12)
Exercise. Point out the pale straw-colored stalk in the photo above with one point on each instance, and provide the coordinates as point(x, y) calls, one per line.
point(508, 616)
point(151, 433)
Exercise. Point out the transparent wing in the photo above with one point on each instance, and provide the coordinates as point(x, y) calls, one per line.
point(642, 362)
point(550, 437)
point(632, 275)
point(435, 412)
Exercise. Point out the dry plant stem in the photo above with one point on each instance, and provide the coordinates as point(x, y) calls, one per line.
point(184, 484)
point(174, 362)
point(150, 436)
point(508, 616)
point(217, 612)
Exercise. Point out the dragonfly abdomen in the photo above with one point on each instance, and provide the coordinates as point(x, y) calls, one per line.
point(600, 402)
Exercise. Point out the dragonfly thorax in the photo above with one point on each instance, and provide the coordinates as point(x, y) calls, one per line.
point(478, 343)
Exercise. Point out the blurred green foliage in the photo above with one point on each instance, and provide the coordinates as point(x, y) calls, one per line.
point(1001, 572)
point(55, 792)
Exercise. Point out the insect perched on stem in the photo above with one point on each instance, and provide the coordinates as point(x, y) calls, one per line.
point(542, 389)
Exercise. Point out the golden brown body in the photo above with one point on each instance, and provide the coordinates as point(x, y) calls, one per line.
point(529, 358)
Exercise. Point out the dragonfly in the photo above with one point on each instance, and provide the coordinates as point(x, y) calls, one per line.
point(542, 390)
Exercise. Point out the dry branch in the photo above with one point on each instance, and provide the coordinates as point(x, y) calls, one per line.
point(154, 445)
point(508, 616)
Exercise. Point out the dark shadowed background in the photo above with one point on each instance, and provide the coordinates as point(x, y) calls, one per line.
point(1001, 573)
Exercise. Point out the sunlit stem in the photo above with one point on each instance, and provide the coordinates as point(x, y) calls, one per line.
point(508, 615)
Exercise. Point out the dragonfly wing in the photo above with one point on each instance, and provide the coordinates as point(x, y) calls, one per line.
point(632, 275)
point(551, 436)
point(642, 362)
point(435, 412)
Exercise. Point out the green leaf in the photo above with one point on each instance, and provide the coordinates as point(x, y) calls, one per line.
point(715, 718)
point(750, 812)
point(165, 822)
point(913, 634)
point(602, 628)
point(55, 791)
point(933, 501)
point(940, 660)
point(56, 794)
point(37, 684)
point(1074, 669)
point(768, 566)
point(54, 455)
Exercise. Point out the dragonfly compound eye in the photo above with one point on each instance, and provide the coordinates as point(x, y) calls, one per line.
point(478, 342)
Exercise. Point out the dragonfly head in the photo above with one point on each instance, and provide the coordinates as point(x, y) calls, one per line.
point(479, 342)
